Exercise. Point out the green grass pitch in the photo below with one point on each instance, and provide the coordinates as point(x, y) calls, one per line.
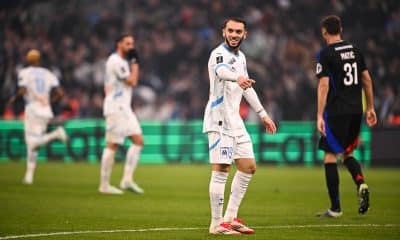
point(280, 204)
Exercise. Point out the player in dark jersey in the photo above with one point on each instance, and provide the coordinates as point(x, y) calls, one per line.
point(342, 75)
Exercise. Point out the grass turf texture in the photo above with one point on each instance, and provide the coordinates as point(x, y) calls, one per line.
point(64, 197)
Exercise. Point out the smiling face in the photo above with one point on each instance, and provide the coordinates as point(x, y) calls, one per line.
point(234, 32)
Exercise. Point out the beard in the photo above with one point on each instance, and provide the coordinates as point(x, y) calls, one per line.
point(233, 47)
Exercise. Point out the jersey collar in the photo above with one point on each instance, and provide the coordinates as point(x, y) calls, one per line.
point(230, 50)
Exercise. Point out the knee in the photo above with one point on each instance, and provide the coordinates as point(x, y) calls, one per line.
point(138, 140)
point(251, 169)
point(330, 158)
point(140, 143)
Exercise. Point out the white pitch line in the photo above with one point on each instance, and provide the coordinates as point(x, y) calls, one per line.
point(167, 229)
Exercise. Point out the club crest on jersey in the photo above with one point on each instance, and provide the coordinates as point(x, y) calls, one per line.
point(123, 70)
point(226, 153)
point(319, 68)
point(220, 59)
point(232, 61)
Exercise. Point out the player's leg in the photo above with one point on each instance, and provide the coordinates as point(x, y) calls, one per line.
point(353, 124)
point(58, 133)
point(220, 164)
point(362, 188)
point(354, 168)
point(331, 144)
point(246, 167)
point(113, 139)
point(132, 158)
point(34, 129)
point(107, 162)
point(30, 165)
point(132, 128)
point(332, 184)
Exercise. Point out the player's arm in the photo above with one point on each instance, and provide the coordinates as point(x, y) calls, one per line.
point(133, 59)
point(225, 73)
point(323, 89)
point(251, 97)
point(369, 94)
point(58, 93)
point(21, 92)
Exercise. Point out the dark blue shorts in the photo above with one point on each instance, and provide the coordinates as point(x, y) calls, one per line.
point(342, 133)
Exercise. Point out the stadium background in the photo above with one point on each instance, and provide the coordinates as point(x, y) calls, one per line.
point(174, 39)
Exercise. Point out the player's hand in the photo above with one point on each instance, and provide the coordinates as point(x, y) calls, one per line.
point(269, 125)
point(132, 56)
point(371, 118)
point(321, 126)
point(245, 82)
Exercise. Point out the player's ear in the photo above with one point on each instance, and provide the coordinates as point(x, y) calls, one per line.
point(245, 35)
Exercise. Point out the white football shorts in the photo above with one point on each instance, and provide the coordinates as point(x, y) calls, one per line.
point(225, 149)
point(34, 127)
point(121, 124)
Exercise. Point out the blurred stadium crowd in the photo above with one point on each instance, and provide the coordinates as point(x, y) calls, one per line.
point(174, 39)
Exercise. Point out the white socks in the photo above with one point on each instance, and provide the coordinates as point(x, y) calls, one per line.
point(30, 165)
point(239, 186)
point(132, 157)
point(217, 189)
point(107, 161)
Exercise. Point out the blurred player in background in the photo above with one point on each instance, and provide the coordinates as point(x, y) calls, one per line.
point(36, 83)
point(228, 139)
point(122, 74)
point(342, 75)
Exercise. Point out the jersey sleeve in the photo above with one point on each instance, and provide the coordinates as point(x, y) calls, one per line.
point(22, 80)
point(222, 68)
point(54, 82)
point(245, 67)
point(322, 68)
point(362, 64)
point(121, 71)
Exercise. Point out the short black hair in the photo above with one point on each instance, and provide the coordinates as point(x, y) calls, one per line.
point(235, 19)
point(121, 37)
point(332, 24)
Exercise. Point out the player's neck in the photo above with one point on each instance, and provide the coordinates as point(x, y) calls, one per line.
point(333, 39)
point(120, 53)
point(234, 50)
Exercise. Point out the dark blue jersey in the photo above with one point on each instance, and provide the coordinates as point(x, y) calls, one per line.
point(343, 64)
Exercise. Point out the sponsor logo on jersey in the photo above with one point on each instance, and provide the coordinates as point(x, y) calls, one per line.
point(220, 59)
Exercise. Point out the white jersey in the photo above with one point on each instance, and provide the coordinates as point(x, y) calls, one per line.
point(222, 111)
point(38, 82)
point(118, 92)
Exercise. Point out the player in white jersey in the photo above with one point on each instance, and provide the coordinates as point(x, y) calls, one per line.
point(122, 73)
point(35, 84)
point(228, 139)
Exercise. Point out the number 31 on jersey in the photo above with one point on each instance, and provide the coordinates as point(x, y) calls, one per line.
point(351, 74)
